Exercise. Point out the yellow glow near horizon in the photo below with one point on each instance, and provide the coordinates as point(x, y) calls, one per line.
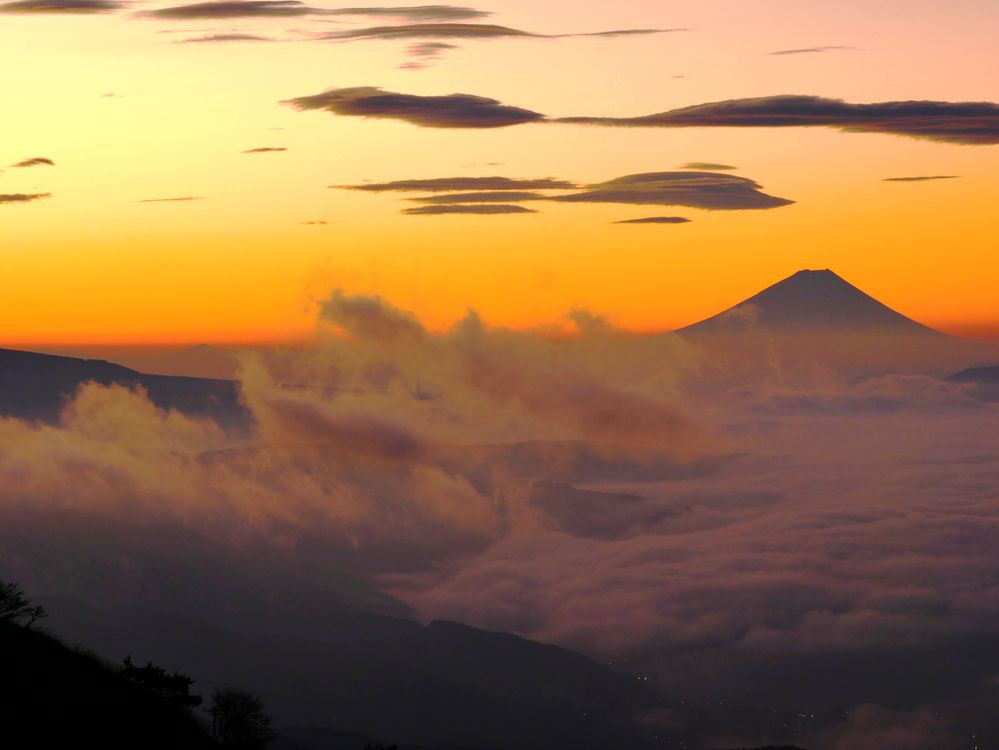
point(94, 264)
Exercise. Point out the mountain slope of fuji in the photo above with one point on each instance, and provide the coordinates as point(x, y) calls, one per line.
point(812, 302)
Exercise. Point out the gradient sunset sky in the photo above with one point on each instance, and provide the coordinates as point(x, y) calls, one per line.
point(133, 113)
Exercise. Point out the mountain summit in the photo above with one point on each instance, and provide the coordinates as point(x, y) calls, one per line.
point(812, 302)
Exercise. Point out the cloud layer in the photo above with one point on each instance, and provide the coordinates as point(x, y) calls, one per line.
point(577, 484)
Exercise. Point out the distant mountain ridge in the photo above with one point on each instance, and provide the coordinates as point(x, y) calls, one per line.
point(812, 301)
point(36, 386)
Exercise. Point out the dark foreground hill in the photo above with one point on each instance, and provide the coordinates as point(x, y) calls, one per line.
point(52, 696)
point(35, 386)
point(389, 678)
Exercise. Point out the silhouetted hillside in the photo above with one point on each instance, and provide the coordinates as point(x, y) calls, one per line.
point(52, 696)
point(35, 386)
point(318, 738)
point(393, 679)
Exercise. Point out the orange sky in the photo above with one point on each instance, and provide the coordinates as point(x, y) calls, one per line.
point(94, 264)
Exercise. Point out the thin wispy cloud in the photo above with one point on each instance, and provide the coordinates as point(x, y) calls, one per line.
point(181, 199)
point(922, 178)
point(707, 166)
point(416, 12)
point(656, 220)
point(82, 7)
point(22, 197)
point(264, 150)
point(488, 196)
point(470, 31)
point(447, 184)
point(37, 161)
point(620, 32)
point(971, 123)
point(425, 53)
point(478, 209)
point(813, 50)
point(233, 37)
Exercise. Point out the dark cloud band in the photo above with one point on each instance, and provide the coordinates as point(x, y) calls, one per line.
point(286, 8)
point(234, 9)
point(61, 6)
point(22, 197)
point(975, 123)
point(37, 161)
point(451, 111)
point(955, 122)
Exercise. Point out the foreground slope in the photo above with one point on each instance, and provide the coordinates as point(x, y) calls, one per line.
point(389, 678)
point(54, 697)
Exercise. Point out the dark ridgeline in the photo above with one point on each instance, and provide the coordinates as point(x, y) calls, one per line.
point(983, 382)
point(812, 302)
point(36, 386)
point(988, 374)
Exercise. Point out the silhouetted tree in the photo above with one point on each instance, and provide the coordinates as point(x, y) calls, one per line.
point(174, 689)
point(16, 608)
point(238, 719)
